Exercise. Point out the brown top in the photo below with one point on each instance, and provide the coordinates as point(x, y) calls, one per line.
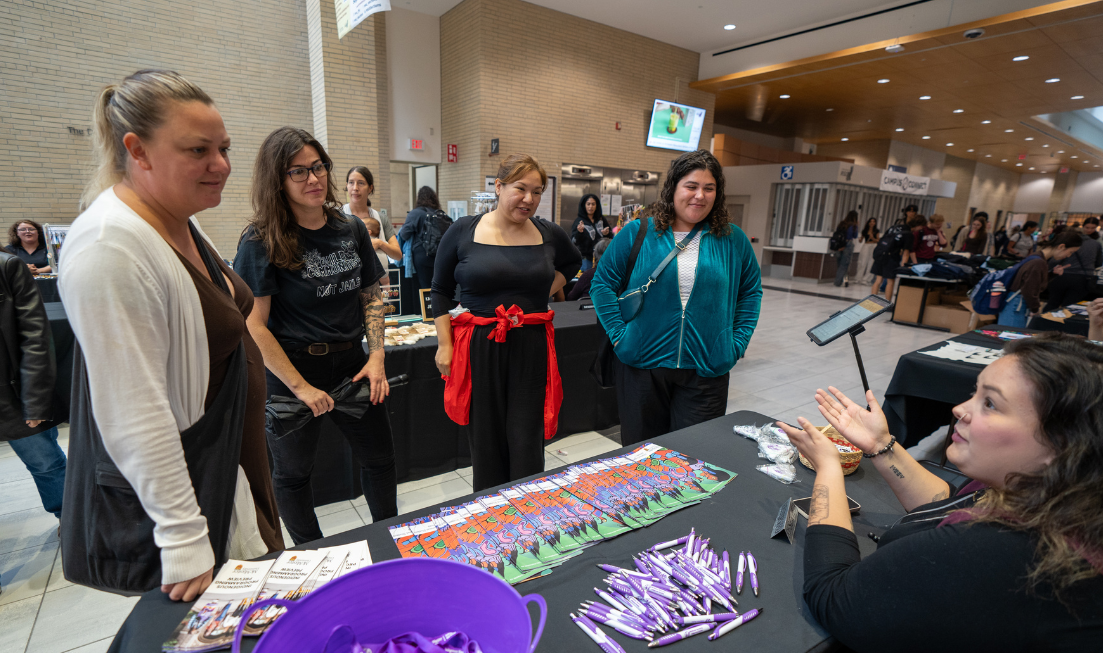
point(1031, 279)
point(224, 319)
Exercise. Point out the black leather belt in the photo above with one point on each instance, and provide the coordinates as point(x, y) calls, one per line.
point(323, 348)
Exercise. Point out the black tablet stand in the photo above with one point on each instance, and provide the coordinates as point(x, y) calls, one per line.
point(854, 331)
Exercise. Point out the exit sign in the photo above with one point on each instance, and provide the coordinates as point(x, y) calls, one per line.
point(1064, 170)
point(453, 153)
point(1022, 157)
point(417, 144)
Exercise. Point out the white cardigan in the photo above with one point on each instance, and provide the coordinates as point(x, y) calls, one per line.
point(136, 313)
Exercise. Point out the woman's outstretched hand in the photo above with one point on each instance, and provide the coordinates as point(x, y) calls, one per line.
point(812, 444)
point(866, 429)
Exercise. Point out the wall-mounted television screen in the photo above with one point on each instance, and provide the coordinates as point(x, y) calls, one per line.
point(675, 126)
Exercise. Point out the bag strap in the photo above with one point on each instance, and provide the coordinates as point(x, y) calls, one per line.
point(636, 245)
point(213, 270)
point(679, 247)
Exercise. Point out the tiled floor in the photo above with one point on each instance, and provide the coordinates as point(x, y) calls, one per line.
point(778, 377)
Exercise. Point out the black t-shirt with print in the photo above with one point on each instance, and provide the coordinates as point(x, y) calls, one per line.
point(319, 302)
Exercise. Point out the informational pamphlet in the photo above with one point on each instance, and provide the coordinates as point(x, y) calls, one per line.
point(211, 622)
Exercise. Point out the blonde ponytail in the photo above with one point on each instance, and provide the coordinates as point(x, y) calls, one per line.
point(137, 105)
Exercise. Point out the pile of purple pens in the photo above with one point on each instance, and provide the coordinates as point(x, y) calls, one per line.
point(671, 587)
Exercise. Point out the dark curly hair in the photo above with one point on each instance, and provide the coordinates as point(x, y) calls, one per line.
point(679, 168)
point(13, 235)
point(1062, 504)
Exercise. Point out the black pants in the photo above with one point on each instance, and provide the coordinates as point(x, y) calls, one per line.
point(506, 428)
point(1065, 289)
point(658, 401)
point(293, 454)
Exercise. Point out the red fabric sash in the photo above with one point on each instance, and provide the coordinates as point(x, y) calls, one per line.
point(457, 385)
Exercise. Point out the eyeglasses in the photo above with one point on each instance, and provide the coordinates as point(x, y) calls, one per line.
point(26, 230)
point(319, 169)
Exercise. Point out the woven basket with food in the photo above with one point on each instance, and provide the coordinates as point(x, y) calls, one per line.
point(849, 455)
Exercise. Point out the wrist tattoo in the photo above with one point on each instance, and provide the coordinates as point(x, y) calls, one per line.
point(371, 301)
point(896, 471)
point(820, 508)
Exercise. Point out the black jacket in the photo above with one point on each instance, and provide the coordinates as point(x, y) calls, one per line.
point(27, 367)
point(584, 241)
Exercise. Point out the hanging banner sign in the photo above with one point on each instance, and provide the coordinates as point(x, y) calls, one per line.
point(351, 13)
point(897, 182)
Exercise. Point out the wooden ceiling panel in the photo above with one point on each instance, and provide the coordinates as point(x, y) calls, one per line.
point(978, 77)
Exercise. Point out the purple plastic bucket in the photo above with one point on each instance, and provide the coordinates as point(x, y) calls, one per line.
point(388, 599)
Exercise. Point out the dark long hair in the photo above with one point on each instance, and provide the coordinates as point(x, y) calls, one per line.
point(679, 168)
point(582, 207)
point(13, 235)
point(851, 220)
point(1062, 504)
point(428, 197)
point(273, 222)
point(367, 175)
point(871, 232)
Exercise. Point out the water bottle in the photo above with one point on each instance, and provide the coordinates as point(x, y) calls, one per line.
point(997, 293)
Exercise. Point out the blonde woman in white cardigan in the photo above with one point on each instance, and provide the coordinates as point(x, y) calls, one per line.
point(160, 322)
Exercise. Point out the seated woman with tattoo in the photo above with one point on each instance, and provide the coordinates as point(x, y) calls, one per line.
point(1012, 561)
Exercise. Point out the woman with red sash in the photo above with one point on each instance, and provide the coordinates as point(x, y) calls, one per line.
point(496, 350)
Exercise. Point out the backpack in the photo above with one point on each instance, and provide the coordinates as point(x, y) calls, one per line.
point(433, 226)
point(981, 294)
point(837, 241)
point(890, 242)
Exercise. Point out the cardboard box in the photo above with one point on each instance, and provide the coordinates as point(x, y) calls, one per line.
point(907, 303)
point(957, 316)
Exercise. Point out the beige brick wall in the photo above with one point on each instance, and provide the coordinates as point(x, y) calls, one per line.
point(250, 56)
point(553, 87)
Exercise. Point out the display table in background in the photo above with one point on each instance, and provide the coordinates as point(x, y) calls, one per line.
point(47, 286)
point(738, 518)
point(1076, 325)
point(62, 335)
point(924, 389)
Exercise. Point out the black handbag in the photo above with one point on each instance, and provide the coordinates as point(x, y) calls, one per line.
point(603, 367)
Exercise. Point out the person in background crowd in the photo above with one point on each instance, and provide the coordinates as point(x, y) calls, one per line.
point(1030, 280)
point(1021, 243)
point(162, 341)
point(413, 229)
point(930, 239)
point(999, 242)
point(27, 241)
point(676, 355)
point(27, 375)
point(589, 227)
point(1074, 280)
point(867, 242)
point(887, 255)
point(582, 286)
point(1019, 548)
point(498, 355)
point(910, 211)
point(975, 239)
point(846, 232)
point(360, 186)
point(316, 278)
point(913, 240)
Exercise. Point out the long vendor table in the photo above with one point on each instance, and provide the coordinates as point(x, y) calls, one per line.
point(739, 517)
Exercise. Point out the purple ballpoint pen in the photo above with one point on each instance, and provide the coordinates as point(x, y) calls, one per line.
point(727, 572)
point(681, 634)
point(752, 565)
point(667, 545)
point(729, 626)
point(625, 617)
point(605, 596)
point(739, 572)
point(593, 632)
point(706, 618)
point(621, 627)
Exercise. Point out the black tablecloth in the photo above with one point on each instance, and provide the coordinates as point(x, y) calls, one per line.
point(924, 389)
point(1076, 325)
point(63, 340)
point(48, 287)
point(737, 518)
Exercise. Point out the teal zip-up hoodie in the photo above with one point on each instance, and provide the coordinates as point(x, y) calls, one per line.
point(713, 331)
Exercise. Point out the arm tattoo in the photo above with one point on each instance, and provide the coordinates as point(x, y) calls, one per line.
point(896, 471)
point(371, 300)
point(820, 507)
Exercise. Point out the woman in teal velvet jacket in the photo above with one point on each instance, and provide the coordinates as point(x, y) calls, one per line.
point(697, 317)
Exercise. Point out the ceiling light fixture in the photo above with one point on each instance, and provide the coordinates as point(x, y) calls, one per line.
point(926, 138)
point(924, 97)
point(969, 150)
point(784, 97)
point(1003, 160)
point(729, 27)
point(1031, 168)
point(830, 109)
point(959, 110)
point(1060, 151)
point(846, 139)
point(1073, 156)
point(1029, 138)
point(1021, 57)
point(1053, 80)
point(985, 122)
point(949, 144)
point(899, 129)
point(989, 156)
point(1077, 97)
point(1018, 165)
point(894, 48)
point(1045, 145)
point(883, 81)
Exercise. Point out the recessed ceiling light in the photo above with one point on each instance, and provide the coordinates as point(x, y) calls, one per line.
point(1003, 160)
point(1019, 164)
point(1045, 145)
point(988, 156)
point(1008, 131)
point(985, 122)
point(959, 110)
point(969, 150)
point(1053, 80)
point(830, 109)
point(1031, 168)
point(926, 138)
point(1060, 151)
point(846, 139)
point(1029, 138)
point(1021, 57)
point(729, 27)
point(1077, 97)
point(784, 97)
point(924, 97)
point(894, 48)
point(949, 144)
point(883, 81)
point(1073, 156)
point(899, 129)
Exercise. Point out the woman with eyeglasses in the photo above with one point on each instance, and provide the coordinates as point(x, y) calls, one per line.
point(27, 241)
point(316, 279)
